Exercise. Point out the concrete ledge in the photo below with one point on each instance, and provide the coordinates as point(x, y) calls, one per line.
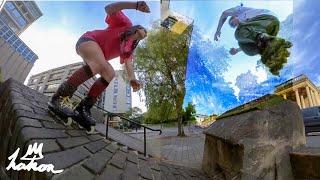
point(253, 141)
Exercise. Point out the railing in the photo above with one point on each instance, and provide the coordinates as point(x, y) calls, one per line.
point(110, 115)
point(290, 82)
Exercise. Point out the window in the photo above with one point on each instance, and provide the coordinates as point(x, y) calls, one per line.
point(29, 57)
point(52, 87)
point(9, 5)
point(55, 76)
point(128, 91)
point(34, 80)
point(12, 40)
point(16, 44)
point(25, 52)
point(7, 35)
point(21, 48)
point(4, 30)
point(169, 22)
point(42, 79)
point(13, 27)
point(128, 101)
point(31, 7)
point(4, 16)
point(15, 13)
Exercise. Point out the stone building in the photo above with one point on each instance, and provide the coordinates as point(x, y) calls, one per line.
point(301, 90)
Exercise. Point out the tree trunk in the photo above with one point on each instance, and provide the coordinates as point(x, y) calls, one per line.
point(180, 126)
point(179, 101)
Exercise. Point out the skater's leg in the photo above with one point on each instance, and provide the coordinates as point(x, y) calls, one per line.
point(80, 76)
point(97, 88)
point(84, 107)
point(92, 54)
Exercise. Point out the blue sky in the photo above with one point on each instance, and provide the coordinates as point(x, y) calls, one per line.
point(220, 76)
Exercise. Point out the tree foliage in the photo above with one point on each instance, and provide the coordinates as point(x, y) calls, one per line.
point(189, 113)
point(161, 62)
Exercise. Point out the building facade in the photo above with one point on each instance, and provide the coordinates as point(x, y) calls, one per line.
point(19, 15)
point(48, 82)
point(301, 90)
point(118, 97)
point(16, 58)
point(172, 20)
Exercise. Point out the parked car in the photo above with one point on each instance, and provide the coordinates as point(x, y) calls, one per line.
point(311, 119)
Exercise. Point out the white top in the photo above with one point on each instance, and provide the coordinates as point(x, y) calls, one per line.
point(245, 13)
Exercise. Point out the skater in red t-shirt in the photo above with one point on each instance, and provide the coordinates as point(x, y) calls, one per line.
point(96, 48)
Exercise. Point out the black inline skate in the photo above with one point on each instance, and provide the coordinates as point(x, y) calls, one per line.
point(82, 114)
point(60, 104)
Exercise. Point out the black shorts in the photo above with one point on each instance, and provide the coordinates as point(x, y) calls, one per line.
point(81, 40)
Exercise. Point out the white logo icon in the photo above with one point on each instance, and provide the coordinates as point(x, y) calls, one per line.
point(33, 153)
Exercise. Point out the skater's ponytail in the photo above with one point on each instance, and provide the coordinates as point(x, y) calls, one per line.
point(132, 30)
point(275, 55)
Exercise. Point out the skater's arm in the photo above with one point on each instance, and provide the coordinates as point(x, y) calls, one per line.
point(130, 71)
point(118, 6)
point(132, 78)
point(222, 20)
point(234, 51)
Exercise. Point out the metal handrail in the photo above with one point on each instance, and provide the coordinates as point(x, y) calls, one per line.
point(110, 115)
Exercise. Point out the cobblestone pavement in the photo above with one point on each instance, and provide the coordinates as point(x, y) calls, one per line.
point(187, 151)
point(25, 119)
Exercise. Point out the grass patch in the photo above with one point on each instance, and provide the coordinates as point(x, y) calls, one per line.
point(258, 104)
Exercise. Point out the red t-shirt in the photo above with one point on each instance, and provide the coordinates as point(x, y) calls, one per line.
point(109, 38)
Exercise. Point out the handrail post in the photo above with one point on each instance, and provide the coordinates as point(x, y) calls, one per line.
point(107, 127)
point(145, 142)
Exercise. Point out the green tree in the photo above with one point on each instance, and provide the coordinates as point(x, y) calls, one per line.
point(189, 112)
point(161, 60)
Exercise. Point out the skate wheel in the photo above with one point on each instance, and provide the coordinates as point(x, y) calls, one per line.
point(91, 130)
point(69, 121)
point(80, 126)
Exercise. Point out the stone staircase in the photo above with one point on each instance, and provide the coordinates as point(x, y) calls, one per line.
point(24, 120)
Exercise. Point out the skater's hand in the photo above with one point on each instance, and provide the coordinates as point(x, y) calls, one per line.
point(135, 84)
point(233, 51)
point(143, 7)
point(217, 35)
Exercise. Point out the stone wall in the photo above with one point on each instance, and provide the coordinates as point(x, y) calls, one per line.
point(255, 143)
point(24, 120)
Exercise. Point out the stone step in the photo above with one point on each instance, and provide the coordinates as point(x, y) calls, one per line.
point(305, 163)
point(24, 120)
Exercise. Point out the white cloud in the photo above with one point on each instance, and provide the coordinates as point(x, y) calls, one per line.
point(55, 47)
point(260, 73)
